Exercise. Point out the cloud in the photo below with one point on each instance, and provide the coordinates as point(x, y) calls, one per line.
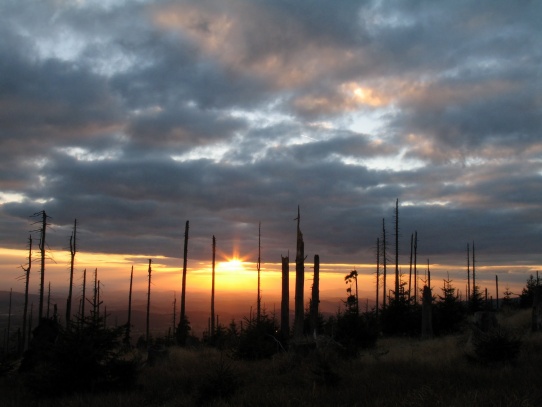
point(136, 116)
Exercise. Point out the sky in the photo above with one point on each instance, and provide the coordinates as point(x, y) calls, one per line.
point(135, 116)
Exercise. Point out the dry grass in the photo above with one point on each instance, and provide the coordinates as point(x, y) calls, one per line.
point(398, 372)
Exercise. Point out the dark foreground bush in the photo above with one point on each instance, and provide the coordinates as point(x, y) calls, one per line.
point(86, 357)
point(496, 346)
point(258, 340)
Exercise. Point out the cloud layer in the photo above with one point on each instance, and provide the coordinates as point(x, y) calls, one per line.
point(134, 117)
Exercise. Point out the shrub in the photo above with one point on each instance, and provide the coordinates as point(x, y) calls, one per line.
point(496, 346)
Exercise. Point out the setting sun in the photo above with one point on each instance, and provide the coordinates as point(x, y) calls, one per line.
point(233, 265)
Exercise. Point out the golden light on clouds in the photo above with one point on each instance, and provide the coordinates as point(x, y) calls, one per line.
point(245, 38)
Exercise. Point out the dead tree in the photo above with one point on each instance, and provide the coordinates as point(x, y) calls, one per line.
point(183, 321)
point(384, 263)
point(42, 231)
point(415, 267)
point(26, 284)
point(299, 280)
point(410, 267)
point(315, 298)
point(397, 251)
point(212, 328)
point(258, 265)
point(285, 298)
point(468, 272)
point(73, 250)
point(377, 305)
point(497, 290)
point(129, 322)
point(147, 336)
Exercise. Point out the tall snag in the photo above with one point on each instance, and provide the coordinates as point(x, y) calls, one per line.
point(377, 305)
point(258, 265)
point(147, 336)
point(26, 284)
point(416, 267)
point(182, 330)
point(212, 328)
point(315, 298)
point(73, 250)
point(42, 231)
point(127, 338)
point(384, 264)
point(299, 280)
point(285, 298)
point(397, 251)
point(468, 272)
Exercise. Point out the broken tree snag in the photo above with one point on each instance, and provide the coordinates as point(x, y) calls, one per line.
point(315, 298)
point(285, 299)
point(183, 288)
point(148, 304)
point(212, 328)
point(299, 280)
point(259, 299)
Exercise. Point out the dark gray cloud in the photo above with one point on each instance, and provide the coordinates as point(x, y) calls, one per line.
point(135, 116)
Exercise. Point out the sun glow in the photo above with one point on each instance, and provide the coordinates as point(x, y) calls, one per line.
point(233, 265)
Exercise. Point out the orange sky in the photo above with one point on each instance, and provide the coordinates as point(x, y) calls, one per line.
point(231, 277)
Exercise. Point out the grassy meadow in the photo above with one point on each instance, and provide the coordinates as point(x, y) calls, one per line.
point(397, 372)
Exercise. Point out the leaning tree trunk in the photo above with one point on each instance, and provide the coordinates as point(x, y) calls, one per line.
point(285, 298)
point(299, 281)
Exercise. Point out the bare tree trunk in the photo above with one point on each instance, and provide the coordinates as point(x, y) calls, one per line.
point(129, 322)
point(377, 306)
point(259, 299)
point(299, 280)
point(73, 250)
point(384, 263)
point(468, 272)
point(183, 292)
point(212, 331)
point(285, 298)
point(147, 336)
point(410, 267)
point(315, 298)
point(26, 284)
point(415, 267)
point(428, 275)
point(397, 251)
point(42, 231)
point(497, 290)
